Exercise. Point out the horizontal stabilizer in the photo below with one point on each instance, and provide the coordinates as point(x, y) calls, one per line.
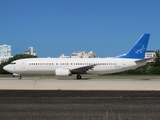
point(146, 59)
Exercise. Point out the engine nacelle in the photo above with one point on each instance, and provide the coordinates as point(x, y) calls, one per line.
point(62, 72)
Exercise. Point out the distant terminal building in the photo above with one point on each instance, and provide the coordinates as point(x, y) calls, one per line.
point(81, 54)
point(30, 51)
point(5, 52)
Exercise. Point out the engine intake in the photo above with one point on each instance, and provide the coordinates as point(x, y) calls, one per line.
point(62, 72)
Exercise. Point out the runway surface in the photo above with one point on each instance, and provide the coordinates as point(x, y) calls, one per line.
point(9, 83)
point(86, 99)
point(79, 105)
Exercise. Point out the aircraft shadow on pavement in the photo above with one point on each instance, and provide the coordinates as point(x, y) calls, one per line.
point(143, 79)
point(73, 79)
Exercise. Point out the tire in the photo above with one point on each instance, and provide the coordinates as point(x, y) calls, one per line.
point(79, 77)
point(19, 77)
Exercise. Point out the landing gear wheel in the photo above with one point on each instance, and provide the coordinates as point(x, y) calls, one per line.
point(79, 77)
point(19, 77)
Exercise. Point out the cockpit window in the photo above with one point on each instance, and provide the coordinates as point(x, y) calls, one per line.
point(12, 63)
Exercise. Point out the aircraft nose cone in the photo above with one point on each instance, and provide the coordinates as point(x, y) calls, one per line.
point(5, 68)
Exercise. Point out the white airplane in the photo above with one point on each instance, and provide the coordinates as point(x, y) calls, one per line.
point(69, 66)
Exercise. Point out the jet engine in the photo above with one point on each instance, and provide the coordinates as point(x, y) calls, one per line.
point(62, 72)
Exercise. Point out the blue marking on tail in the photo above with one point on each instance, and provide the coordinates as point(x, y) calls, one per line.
point(139, 49)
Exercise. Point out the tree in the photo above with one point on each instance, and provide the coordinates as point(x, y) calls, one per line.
point(149, 68)
point(157, 59)
point(155, 68)
point(16, 57)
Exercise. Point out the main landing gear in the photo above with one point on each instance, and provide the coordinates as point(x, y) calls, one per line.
point(19, 77)
point(79, 76)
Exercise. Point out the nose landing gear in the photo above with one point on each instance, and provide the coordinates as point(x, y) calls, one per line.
point(18, 75)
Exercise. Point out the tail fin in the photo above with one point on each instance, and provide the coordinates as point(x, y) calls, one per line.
point(139, 49)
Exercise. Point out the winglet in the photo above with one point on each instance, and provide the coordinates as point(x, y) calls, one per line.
point(139, 49)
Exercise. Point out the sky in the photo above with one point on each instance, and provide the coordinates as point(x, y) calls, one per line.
point(54, 27)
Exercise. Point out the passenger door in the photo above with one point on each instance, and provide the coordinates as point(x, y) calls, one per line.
point(23, 65)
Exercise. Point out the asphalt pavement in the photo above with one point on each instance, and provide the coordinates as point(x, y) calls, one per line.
point(79, 105)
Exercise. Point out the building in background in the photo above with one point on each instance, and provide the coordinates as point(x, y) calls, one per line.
point(5, 52)
point(81, 54)
point(30, 51)
point(150, 54)
point(63, 56)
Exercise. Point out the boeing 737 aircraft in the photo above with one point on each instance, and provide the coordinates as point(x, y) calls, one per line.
point(69, 66)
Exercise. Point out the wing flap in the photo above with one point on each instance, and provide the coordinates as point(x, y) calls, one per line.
point(82, 70)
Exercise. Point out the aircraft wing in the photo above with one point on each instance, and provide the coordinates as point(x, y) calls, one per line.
point(82, 70)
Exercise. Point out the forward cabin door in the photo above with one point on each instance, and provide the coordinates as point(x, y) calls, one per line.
point(23, 65)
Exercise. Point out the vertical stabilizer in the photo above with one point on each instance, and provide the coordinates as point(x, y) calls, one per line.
point(139, 49)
